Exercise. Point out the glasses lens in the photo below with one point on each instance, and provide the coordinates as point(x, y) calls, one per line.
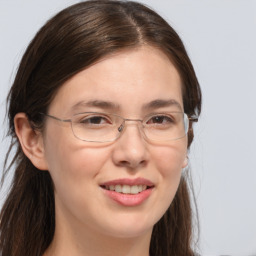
point(167, 126)
point(96, 127)
point(100, 127)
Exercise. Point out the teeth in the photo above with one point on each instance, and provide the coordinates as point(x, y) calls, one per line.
point(118, 188)
point(135, 189)
point(112, 187)
point(126, 189)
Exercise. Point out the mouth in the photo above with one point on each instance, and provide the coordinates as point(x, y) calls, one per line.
point(128, 186)
point(127, 189)
point(128, 192)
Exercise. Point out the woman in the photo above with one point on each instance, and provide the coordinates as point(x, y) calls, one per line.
point(101, 112)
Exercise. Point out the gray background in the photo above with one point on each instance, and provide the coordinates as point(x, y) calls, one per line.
point(220, 36)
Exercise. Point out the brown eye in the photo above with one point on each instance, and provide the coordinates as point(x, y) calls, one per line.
point(160, 119)
point(91, 120)
point(95, 120)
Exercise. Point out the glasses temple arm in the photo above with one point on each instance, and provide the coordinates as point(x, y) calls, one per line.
point(58, 119)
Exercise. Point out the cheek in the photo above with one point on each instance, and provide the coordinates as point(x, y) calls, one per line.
point(169, 160)
point(73, 168)
point(78, 162)
point(71, 162)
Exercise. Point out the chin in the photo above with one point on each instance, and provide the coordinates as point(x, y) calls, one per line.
point(130, 226)
point(131, 232)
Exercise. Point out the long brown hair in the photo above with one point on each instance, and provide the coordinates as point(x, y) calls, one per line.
point(71, 41)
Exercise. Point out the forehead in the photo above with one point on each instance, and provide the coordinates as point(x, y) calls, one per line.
point(129, 80)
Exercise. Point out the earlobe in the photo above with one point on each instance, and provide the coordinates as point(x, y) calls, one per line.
point(31, 141)
point(185, 163)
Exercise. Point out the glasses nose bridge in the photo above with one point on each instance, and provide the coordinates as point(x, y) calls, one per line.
point(140, 121)
point(133, 120)
point(123, 125)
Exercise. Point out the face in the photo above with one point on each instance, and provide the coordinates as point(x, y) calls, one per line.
point(125, 84)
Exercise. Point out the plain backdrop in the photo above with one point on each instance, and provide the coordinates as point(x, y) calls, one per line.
point(220, 37)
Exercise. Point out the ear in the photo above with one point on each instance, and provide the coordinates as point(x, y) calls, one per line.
point(31, 141)
point(185, 163)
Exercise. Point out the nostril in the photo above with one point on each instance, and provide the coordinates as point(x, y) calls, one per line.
point(143, 163)
point(132, 164)
point(124, 163)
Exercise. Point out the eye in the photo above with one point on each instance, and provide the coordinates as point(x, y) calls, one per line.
point(160, 119)
point(91, 120)
point(95, 120)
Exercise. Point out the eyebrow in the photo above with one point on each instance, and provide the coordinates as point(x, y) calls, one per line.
point(159, 103)
point(96, 103)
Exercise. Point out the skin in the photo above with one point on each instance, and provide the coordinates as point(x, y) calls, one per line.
point(85, 216)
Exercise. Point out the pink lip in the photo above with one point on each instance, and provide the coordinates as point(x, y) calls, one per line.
point(129, 199)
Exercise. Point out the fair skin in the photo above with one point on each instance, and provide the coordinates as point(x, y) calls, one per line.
point(88, 221)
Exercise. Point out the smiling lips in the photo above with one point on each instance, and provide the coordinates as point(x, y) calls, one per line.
point(128, 192)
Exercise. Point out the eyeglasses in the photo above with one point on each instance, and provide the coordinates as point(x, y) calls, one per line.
point(103, 127)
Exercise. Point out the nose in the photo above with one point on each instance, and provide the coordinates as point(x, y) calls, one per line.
point(130, 149)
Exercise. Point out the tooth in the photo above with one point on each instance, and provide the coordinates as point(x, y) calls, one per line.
point(140, 188)
point(126, 189)
point(118, 188)
point(144, 187)
point(112, 187)
point(134, 189)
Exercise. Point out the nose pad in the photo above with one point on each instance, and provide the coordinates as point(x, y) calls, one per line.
point(121, 127)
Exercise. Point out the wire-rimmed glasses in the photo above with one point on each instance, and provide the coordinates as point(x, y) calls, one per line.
point(105, 127)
